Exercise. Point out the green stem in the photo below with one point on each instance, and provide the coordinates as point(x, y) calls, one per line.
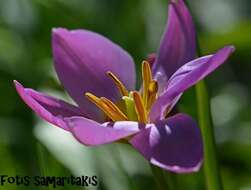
point(159, 178)
point(43, 162)
point(211, 170)
point(171, 178)
point(164, 179)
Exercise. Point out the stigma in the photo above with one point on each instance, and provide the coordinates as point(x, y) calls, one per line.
point(134, 105)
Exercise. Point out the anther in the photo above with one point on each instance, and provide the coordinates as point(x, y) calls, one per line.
point(152, 93)
point(139, 107)
point(147, 78)
point(114, 108)
point(108, 107)
point(119, 84)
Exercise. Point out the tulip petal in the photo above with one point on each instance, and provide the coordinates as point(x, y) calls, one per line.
point(173, 144)
point(178, 44)
point(187, 76)
point(82, 59)
point(91, 133)
point(50, 109)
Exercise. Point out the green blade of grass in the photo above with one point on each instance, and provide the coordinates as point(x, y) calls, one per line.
point(211, 169)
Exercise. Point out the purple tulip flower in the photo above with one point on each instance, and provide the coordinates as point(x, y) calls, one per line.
point(100, 76)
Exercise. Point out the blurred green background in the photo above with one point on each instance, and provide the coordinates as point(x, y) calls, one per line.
point(29, 146)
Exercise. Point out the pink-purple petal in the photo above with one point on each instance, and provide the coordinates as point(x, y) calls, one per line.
point(187, 76)
point(178, 44)
point(173, 144)
point(82, 59)
point(48, 108)
point(92, 133)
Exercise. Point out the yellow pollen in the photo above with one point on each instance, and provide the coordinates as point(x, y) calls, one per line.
point(139, 107)
point(119, 84)
point(108, 107)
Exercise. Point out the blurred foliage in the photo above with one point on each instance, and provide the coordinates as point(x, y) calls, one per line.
point(25, 55)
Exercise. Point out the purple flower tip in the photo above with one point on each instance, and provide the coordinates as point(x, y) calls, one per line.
point(17, 85)
point(174, 1)
point(232, 47)
point(58, 33)
point(58, 30)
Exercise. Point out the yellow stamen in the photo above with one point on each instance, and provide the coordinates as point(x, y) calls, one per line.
point(147, 78)
point(110, 109)
point(152, 93)
point(118, 83)
point(114, 108)
point(139, 107)
point(134, 106)
point(94, 99)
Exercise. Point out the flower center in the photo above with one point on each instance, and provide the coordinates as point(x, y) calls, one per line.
point(134, 105)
